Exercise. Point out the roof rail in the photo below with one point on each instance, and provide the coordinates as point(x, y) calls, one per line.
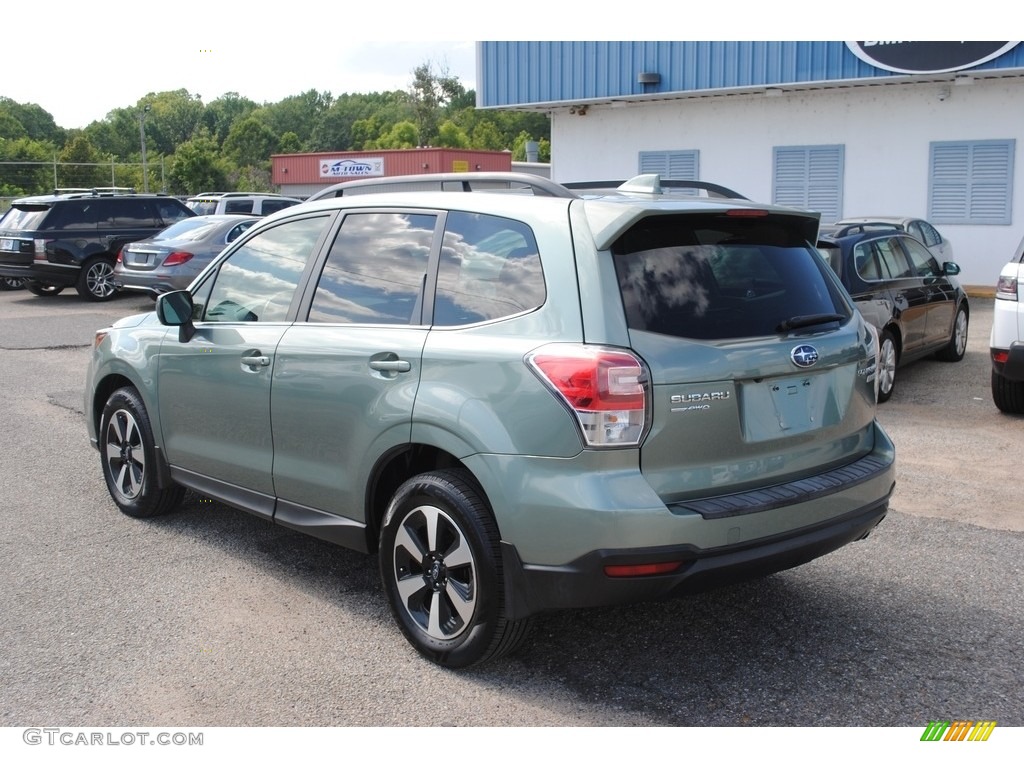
point(96, 191)
point(448, 182)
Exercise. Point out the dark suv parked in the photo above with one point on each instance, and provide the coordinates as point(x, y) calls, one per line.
point(72, 238)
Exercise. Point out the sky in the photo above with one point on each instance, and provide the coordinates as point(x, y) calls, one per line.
point(220, 47)
point(91, 58)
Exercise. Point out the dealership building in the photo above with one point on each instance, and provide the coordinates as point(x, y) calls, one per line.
point(847, 129)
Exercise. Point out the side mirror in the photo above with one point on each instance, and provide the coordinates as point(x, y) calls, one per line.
point(950, 268)
point(175, 309)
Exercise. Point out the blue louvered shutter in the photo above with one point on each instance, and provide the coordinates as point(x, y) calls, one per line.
point(970, 182)
point(809, 178)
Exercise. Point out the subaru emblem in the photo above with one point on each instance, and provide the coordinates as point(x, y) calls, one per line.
point(804, 356)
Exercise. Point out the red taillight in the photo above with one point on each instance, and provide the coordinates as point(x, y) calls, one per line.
point(646, 569)
point(746, 213)
point(1000, 356)
point(604, 388)
point(176, 258)
point(120, 256)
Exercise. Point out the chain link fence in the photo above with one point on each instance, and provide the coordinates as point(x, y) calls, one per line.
point(21, 178)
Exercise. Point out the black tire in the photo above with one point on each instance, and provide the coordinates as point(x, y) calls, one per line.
point(11, 283)
point(954, 351)
point(43, 289)
point(888, 359)
point(128, 457)
point(1008, 395)
point(448, 600)
point(96, 280)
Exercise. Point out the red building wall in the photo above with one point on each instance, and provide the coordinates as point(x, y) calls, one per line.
point(306, 168)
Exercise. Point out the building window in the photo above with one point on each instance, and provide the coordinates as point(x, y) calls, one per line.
point(679, 164)
point(809, 178)
point(970, 182)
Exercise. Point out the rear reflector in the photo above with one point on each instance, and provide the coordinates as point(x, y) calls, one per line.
point(1000, 356)
point(646, 569)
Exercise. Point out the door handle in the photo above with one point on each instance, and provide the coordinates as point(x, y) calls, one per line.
point(391, 366)
point(256, 361)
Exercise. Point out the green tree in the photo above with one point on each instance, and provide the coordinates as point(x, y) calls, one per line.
point(451, 135)
point(79, 164)
point(289, 144)
point(28, 167)
point(37, 122)
point(299, 114)
point(10, 126)
point(403, 135)
point(487, 136)
point(197, 166)
point(250, 142)
point(220, 114)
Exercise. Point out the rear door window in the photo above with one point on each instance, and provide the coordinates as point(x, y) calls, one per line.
point(375, 270)
point(490, 268)
point(715, 276)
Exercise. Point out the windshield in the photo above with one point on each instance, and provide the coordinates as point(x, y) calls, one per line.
point(203, 207)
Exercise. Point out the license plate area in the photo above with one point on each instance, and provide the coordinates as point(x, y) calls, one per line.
point(792, 405)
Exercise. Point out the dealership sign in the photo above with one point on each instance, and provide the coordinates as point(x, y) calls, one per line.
point(351, 166)
point(928, 57)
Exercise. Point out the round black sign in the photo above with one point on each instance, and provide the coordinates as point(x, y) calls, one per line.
point(926, 57)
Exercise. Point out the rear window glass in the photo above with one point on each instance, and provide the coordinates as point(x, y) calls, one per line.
point(25, 217)
point(203, 207)
point(715, 276)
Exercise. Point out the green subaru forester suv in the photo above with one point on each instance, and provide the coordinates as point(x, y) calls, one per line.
point(521, 401)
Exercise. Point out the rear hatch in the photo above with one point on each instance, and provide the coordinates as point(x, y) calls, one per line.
point(19, 225)
point(761, 370)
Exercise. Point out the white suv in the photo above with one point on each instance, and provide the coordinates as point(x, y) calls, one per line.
point(1007, 342)
point(248, 203)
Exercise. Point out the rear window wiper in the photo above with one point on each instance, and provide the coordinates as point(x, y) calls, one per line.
point(803, 321)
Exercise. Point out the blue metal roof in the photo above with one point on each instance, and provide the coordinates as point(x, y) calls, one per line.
point(544, 72)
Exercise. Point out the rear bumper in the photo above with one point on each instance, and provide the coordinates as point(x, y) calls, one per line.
point(1013, 368)
point(695, 545)
point(49, 275)
point(583, 583)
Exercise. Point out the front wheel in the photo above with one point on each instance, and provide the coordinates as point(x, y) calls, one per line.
point(43, 289)
point(128, 455)
point(440, 563)
point(888, 357)
point(954, 351)
point(11, 283)
point(96, 282)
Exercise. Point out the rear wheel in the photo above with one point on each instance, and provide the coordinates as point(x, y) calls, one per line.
point(128, 455)
point(1008, 395)
point(954, 351)
point(440, 562)
point(43, 289)
point(888, 357)
point(96, 281)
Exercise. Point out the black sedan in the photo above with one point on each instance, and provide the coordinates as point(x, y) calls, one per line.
point(917, 304)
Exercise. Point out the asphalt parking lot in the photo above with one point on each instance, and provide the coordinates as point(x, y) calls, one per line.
point(209, 617)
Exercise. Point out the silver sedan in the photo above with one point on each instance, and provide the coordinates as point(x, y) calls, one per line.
point(170, 260)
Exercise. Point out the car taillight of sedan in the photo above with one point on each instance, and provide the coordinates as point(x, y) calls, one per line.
point(176, 258)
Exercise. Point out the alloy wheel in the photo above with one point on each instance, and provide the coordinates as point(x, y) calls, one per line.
point(125, 454)
point(435, 572)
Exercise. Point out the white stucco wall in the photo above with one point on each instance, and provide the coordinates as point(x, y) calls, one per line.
point(886, 131)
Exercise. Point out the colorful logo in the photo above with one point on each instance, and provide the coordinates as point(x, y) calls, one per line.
point(958, 730)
